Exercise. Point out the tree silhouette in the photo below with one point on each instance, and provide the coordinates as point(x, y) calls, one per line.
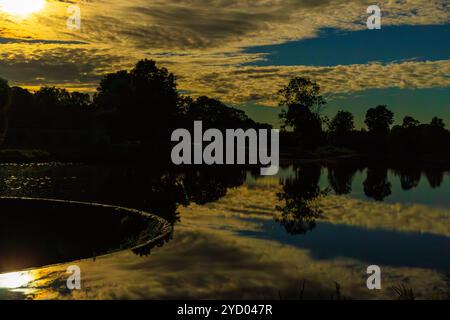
point(22, 113)
point(142, 104)
point(438, 123)
point(303, 101)
point(79, 100)
point(50, 108)
point(409, 122)
point(215, 114)
point(341, 127)
point(379, 120)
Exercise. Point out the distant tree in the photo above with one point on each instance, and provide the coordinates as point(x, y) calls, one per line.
point(340, 127)
point(21, 108)
point(115, 91)
point(410, 122)
point(156, 90)
point(21, 99)
point(301, 92)
point(414, 138)
point(5, 96)
point(215, 114)
point(438, 123)
point(79, 100)
point(303, 101)
point(51, 98)
point(343, 122)
point(405, 138)
point(52, 108)
point(143, 104)
point(379, 120)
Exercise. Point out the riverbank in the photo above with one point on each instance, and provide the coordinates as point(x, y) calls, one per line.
point(139, 155)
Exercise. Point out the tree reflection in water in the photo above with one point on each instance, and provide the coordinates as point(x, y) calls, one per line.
point(340, 178)
point(161, 189)
point(300, 210)
point(376, 185)
point(435, 177)
point(409, 177)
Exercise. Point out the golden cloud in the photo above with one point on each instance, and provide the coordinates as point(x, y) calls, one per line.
point(202, 41)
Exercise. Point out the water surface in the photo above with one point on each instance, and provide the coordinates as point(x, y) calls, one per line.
point(325, 224)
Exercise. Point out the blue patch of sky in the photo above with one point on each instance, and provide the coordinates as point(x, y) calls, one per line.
point(337, 47)
point(390, 44)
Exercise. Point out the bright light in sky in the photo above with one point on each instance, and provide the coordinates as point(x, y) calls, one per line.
point(15, 280)
point(21, 7)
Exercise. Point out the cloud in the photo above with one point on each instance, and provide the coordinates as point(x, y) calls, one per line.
point(55, 64)
point(244, 83)
point(202, 42)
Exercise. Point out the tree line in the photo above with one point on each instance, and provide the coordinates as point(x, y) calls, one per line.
point(143, 105)
point(310, 130)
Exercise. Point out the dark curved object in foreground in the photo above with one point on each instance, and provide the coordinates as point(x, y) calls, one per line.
point(40, 232)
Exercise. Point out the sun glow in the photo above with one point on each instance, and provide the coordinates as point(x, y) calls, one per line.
point(15, 280)
point(21, 8)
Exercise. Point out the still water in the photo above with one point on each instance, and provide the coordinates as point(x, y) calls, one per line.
point(236, 234)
